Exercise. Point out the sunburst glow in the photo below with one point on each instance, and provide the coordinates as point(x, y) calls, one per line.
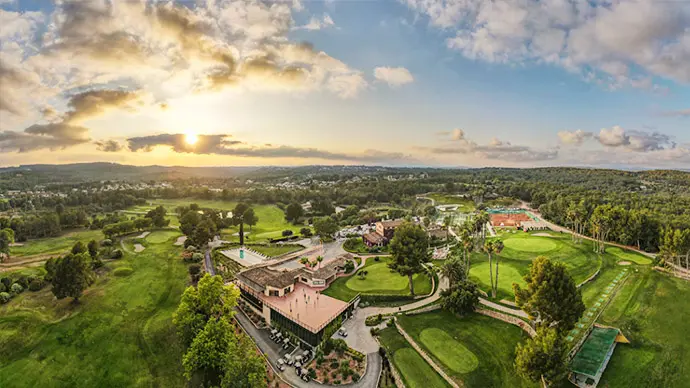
point(191, 138)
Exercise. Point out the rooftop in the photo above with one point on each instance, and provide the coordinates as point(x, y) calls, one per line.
point(391, 223)
point(373, 238)
point(306, 306)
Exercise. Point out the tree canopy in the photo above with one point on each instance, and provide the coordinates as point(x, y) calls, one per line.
point(409, 248)
point(544, 355)
point(70, 275)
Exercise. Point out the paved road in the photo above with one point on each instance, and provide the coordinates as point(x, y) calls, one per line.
point(208, 263)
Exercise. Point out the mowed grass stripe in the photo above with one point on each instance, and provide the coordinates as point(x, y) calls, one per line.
point(416, 371)
point(451, 352)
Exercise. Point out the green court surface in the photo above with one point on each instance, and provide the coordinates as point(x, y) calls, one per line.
point(161, 236)
point(591, 356)
point(451, 352)
point(416, 372)
point(476, 349)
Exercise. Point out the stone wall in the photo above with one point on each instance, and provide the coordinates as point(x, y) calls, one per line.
point(509, 319)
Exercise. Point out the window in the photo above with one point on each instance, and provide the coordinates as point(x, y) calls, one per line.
point(286, 291)
point(272, 293)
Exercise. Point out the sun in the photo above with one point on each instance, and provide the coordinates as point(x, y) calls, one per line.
point(191, 138)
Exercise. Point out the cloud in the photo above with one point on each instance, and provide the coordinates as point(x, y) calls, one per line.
point(393, 76)
point(677, 113)
point(496, 149)
point(317, 24)
point(109, 146)
point(67, 131)
point(617, 137)
point(574, 137)
point(225, 145)
point(619, 43)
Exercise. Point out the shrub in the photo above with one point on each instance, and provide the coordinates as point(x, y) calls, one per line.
point(373, 320)
point(334, 365)
point(116, 254)
point(194, 269)
point(349, 267)
point(36, 284)
point(17, 288)
point(377, 298)
point(123, 271)
point(3, 288)
point(197, 257)
point(306, 232)
point(356, 377)
point(336, 382)
point(287, 232)
point(377, 258)
point(5, 297)
point(374, 331)
point(23, 281)
point(7, 282)
point(107, 242)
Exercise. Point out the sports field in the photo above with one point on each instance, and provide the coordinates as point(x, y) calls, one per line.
point(379, 280)
point(477, 350)
point(120, 334)
point(416, 373)
point(653, 311)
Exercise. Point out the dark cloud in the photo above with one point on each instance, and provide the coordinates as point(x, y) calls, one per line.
point(95, 102)
point(57, 136)
point(109, 146)
point(11, 79)
point(222, 145)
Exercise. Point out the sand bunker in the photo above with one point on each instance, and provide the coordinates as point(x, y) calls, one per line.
point(624, 263)
point(542, 235)
point(180, 240)
point(143, 235)
point(16, 245)
point(138, 248)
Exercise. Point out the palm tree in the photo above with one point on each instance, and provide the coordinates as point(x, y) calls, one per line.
point(467, 244)
point(304, 260)
point(319, 259)
point(498, 247)
point(491, 247)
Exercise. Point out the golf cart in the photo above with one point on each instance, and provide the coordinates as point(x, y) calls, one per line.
point(288, 359)
point(342, 332)
point(306, 354)
point(278, 337)
point(281, 364)
point(286, 343)
point(274, 332)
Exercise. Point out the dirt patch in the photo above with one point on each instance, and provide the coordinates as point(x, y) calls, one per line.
point(624, 263)
point(143, 235)
point(138, 248)
point(180, 240)
point(542, 235)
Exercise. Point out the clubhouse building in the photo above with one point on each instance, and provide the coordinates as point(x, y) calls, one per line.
point(291, 298)
point(382, 235)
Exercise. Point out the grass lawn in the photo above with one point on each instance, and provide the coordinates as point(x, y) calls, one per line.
point(653, 310)
point(380, 280)
point(465, 205)
point(161, 236)
point(119, 335)
point(476, 349)
point(362, 249)
point(414, 370)
point(630, 256)
point(521, 248)
point(55, 245)
point(271, 219)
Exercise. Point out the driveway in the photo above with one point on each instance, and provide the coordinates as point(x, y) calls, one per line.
point(274, 352)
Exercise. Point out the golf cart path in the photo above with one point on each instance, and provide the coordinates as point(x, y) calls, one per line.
point(507, 310)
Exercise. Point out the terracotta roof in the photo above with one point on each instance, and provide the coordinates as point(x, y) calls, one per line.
point(391, 224)
point(373, 238)
point(262, 276)
point(330, 269)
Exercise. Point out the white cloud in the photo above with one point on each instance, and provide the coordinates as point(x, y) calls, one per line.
point(574, 137)
point(317, 24)
point(495, 150)
point(618, 137)
point(393, 76)
point(619, 43)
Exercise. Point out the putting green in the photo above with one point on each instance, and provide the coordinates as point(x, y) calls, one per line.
point(379, 277)
point(629, 256)
point(451, 352)
point(161, 236)
point(531, 244)
point(507, 275)
point(416, 371)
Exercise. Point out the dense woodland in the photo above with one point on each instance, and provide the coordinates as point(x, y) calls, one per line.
point(627, 207)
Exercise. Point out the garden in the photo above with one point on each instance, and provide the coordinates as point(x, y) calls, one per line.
point(475, 349)
point(357, 246)
point(336, 364)
point(375, 278)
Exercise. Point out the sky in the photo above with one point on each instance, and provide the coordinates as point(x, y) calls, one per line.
point(448, 83)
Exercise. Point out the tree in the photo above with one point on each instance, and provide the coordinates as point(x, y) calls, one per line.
point(206, 358)
point(491, 247)
point(78, 248)
point(467, 245)
point(306, 232)
point(287, 233)
point(245, 369)
point(454, 270)
point(71, 275)
point(409, 251)
point(551, 296)
point(461, 298)
point(319, 259)
point(211, 298)
point(157, 217)
point(293, 212)
point(544, 355)
point(325, 227)
point(6, 239)
point(250, 218)
point(188, 222)
point(203, 233)
point(93, 248)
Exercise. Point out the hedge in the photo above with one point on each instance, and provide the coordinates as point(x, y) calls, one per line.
point(123, 271)
point(375, 298)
